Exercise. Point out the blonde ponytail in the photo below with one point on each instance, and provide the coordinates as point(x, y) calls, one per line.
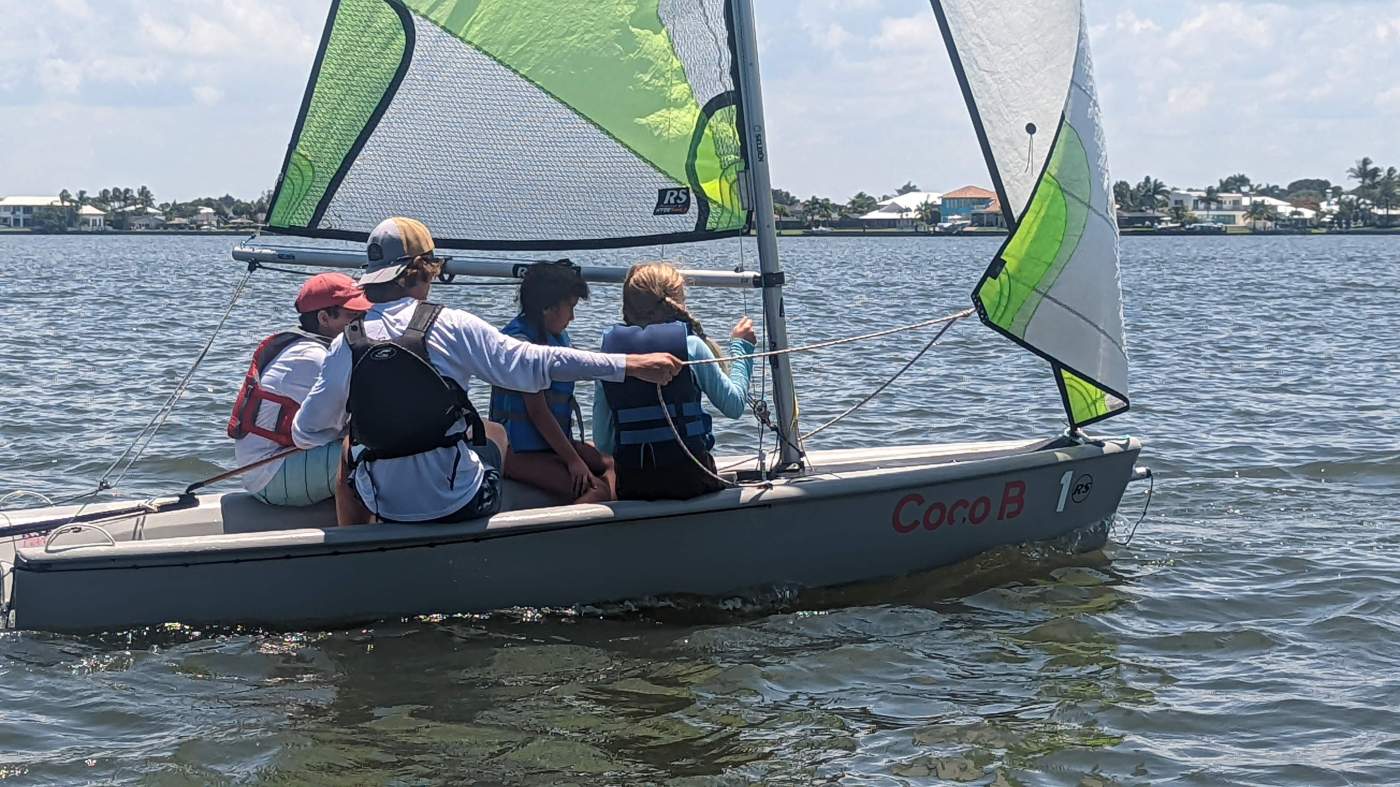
point(654, 292)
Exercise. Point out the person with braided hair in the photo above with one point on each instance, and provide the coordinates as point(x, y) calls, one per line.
point(628, 417)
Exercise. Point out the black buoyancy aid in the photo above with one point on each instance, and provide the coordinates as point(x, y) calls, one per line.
point(642, 433)
point(252, 396)
point(400, 405)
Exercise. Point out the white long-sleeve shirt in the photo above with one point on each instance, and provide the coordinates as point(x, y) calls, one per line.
point(292, 374)
point(461, 346)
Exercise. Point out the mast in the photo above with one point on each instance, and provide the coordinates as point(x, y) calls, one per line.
point(761, 199)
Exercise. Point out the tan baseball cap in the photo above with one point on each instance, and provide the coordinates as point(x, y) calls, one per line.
point(392, 245)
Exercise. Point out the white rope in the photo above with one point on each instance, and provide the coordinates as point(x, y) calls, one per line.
point(952, 318)
point(948, 323)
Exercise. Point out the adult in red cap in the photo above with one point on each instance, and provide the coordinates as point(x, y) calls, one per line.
point(283, 370)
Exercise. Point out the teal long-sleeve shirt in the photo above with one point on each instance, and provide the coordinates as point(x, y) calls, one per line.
point(729, 394)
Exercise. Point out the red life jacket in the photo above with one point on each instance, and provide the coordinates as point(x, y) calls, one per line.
point(251, 396)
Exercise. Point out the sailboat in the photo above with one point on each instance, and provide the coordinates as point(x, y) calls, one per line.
point(534, 125)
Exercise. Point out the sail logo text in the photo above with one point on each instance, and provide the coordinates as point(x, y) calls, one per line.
point(914, 512)
point(672, 202)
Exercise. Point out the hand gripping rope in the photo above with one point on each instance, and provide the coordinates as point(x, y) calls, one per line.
point(946, 323)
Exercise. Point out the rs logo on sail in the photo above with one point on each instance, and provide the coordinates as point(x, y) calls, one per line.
point(913, 512)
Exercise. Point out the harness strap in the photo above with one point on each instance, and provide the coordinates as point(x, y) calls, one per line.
point(414, 338)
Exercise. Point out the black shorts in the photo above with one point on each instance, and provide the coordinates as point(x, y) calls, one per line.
point(487, 500)
point(676, 482)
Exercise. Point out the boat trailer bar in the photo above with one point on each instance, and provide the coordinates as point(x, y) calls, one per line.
point(349, 259)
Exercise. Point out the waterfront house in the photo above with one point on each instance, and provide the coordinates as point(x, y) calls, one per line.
point(1139, 219)
point(18, 212)
point(963, 202)
point(143, 218)
point(92, 219)
point(901, 212)
point(990, 216)
point(206, 217)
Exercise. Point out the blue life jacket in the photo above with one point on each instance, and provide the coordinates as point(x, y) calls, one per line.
point(508, 407)
point(642, 434)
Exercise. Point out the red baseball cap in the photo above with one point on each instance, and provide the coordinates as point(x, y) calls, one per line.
point(325, 290)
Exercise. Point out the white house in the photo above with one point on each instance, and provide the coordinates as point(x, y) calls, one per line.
point(91, 218)
point(902, 211)
point(18, 212)
point(206, 217)
point(143, 218)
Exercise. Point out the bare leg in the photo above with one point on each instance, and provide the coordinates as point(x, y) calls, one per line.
point(547, 471)
point(497, 434)
point(602, 466)
point(348, 508)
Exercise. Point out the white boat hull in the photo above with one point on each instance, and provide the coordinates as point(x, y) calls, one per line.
point(863, 515)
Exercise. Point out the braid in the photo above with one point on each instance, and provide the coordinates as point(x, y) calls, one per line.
point(654, 292)
point(684, 315)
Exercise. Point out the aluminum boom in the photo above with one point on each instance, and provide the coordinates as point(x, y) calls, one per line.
point(761, 201)
point(349, 259)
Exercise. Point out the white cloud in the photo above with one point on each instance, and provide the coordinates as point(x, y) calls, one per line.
point(207, 95)
point(917, 33)
point(59, 76)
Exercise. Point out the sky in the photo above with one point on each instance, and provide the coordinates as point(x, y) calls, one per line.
point(198, 97)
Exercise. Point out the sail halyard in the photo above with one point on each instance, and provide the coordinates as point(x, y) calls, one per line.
point(520, 124)
point(1053, 288)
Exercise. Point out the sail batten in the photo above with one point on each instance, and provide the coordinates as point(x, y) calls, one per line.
point(520, 124)
point(1053, 287)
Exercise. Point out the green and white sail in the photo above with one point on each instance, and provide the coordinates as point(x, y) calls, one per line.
point(520, 124)
point(1053, 288)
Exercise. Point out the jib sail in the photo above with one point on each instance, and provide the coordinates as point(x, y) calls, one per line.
point(1053, 288)
point(520, 124)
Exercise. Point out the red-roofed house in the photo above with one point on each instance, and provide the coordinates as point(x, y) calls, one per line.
point(989, 216)
point(966, 201)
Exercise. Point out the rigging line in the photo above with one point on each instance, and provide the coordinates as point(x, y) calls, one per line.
point(138, 447)
point(946, 327)
point(1151, 484)
point(676, 433)
point(803, 438)
point(950, 319)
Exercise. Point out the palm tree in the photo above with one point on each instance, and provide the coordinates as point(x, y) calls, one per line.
point(1365, 173)
point(928, 212)
point(1211, 199)
point(144, 197)
point(64, 198)
point(128, 197)
point(861, 204)
point(1260, 211)
point(1387, 191)
point(1125, 195)
point(105, 197)
point(82, 197)
point(907, 188)
point(1152, 193)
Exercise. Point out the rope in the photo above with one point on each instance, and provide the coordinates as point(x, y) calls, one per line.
point(948, 323)
point(950, 319)
point(886, 384)
point(1151, 484)
point(676, 433)
point(133, 453)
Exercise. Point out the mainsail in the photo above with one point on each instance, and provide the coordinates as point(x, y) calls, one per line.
point(1053, 288)
point(520, 124)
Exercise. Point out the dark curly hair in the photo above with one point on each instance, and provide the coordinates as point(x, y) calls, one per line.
point(547, 284)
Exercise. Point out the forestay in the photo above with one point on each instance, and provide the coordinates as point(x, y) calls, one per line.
point(1053, 288)
point(520, 124)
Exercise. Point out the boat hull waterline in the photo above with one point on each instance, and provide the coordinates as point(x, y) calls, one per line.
point(864, 515)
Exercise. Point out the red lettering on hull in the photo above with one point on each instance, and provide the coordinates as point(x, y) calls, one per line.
point(914, 510)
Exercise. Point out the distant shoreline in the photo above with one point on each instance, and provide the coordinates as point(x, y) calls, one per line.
point(846, 234)
point(139, 233)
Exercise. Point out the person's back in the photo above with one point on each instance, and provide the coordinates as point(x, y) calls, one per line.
point(281, 375)
point(628, 420)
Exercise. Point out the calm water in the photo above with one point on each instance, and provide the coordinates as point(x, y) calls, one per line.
point(1249, 634)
